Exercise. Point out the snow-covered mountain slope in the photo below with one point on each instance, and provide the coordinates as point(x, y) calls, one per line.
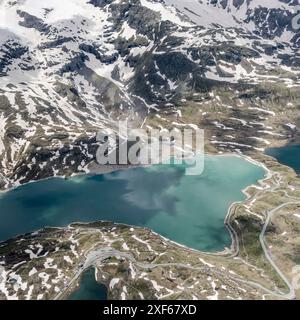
point(270, 19)
point(69, 68)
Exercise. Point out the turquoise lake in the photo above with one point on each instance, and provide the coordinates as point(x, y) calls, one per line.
point(288, 155)
point(89, 288)
point(186, 209)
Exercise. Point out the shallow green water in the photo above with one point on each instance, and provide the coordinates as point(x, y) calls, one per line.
point(89, 288)
point(289, 155)
point(186, 209)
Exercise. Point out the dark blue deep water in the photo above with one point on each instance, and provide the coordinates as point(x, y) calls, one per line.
point(288, 155)
point(89, 288)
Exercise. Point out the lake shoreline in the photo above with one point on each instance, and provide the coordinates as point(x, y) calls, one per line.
point(118, 168)
point(228, 211)
point(73, 291)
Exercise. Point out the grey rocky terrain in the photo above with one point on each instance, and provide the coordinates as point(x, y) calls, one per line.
point(70, 69)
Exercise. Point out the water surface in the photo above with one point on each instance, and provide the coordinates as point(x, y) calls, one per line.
point(288, 155)
point(186, 209)
point(89, 288)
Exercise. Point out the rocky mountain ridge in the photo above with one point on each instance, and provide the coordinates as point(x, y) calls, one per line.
point(69, 69)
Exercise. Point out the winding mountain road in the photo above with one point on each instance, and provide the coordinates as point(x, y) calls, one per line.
point(96, 256)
